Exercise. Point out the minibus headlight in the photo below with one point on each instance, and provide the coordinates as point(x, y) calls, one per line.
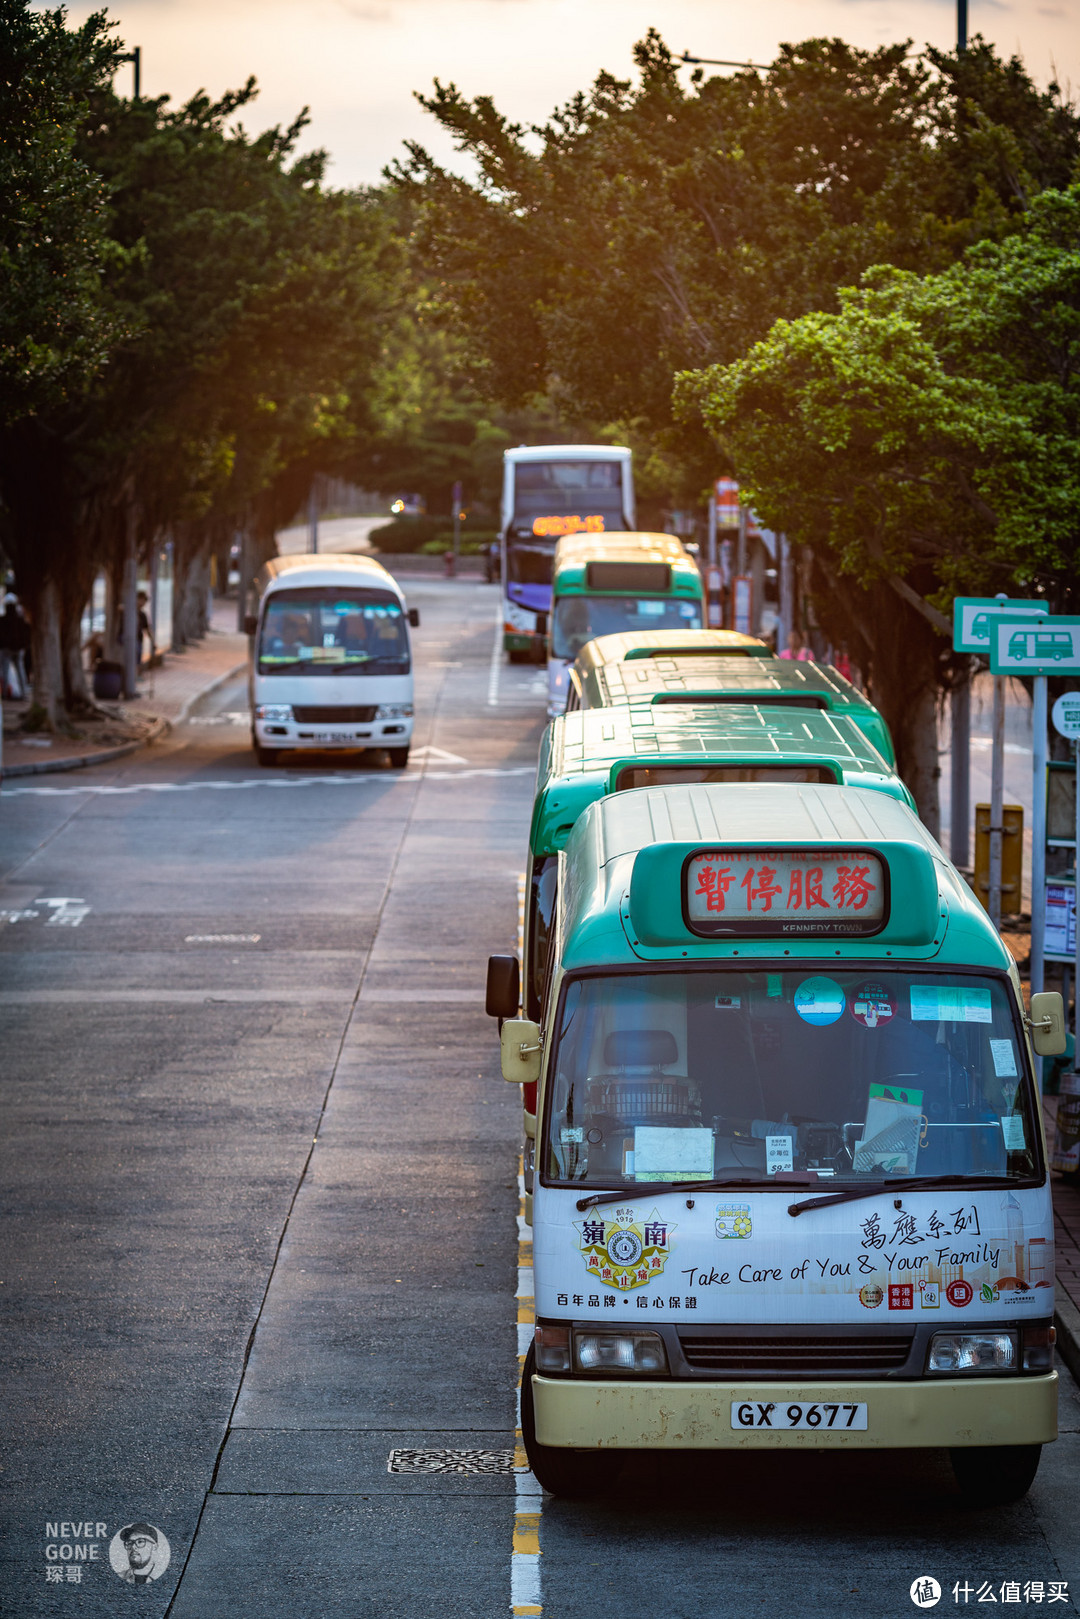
point(973, 1352)
point(394, 711)
point(552, 1349)
point(602, 1351)
point(274, 713)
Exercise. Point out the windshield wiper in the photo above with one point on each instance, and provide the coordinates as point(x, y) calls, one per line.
point(657, 1189)
point(911, 1183)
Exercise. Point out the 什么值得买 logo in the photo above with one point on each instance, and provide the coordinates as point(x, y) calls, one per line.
point(624, 1252)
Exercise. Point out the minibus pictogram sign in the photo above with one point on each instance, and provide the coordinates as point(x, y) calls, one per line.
point(1049, 647)
point(973, 618)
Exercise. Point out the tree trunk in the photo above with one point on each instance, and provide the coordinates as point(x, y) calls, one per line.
point(904, 660)
point(192, 583)
point(48, 674)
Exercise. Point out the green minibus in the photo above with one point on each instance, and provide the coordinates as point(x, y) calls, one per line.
point(604, 583)
point(629, 645)
point(597, 751)
point(762, 681)
point(790, 1185)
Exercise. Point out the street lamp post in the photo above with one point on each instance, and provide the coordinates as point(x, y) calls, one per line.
point(134, 56)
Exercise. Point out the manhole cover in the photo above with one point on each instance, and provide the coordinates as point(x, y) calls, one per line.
point(451, 1461)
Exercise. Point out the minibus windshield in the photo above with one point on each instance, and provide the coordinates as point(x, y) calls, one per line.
point(849, 1075)
point(330, 630)
point(578, 619)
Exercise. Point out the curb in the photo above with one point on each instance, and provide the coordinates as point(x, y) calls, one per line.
point(104, 756)
point(1067, 1322)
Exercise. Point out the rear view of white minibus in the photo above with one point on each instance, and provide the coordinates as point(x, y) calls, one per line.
point(330, 661)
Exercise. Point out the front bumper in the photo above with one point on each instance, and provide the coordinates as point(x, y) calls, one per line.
point(582, 1414)
point(294, 734)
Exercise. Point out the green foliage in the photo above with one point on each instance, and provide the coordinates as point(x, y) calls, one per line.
point(931, 428)
point(57, 328)
point(658, 227)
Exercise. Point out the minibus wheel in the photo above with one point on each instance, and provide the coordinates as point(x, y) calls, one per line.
point(575, 1474)
point(993, 1475)
point(265, 756)
point(399, 757)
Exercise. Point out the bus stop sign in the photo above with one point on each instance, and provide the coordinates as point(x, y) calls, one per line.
point(1049, 647)
point(973, 617)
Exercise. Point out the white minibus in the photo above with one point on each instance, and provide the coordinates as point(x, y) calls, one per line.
point(330, 664)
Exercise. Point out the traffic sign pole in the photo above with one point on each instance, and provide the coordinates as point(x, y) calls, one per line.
point(997, 801)
point(1039, 760)
point(960, 774)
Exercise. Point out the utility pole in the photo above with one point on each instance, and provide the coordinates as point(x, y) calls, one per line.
point(961, 26)
point(313, 514)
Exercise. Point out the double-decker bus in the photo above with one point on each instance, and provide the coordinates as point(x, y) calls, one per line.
point(550, 490)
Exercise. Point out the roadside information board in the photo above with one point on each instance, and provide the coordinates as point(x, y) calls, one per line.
point(1066, 715)
point(1048, 647)
point(1060, 921)
point(974, 615)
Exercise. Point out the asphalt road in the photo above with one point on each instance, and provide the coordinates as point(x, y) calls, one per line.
point(260, 1193)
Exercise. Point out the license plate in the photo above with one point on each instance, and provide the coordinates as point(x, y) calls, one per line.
point(786, 1414)
point(330, 736)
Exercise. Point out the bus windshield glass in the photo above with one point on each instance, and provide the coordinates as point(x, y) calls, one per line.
point(327, 630)
point(852, 1076)
point(578, 619)
point(584, 489)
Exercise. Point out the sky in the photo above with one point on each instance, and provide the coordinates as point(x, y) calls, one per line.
point(356, 63)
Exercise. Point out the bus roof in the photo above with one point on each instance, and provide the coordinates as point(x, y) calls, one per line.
point(583, 755)
point(736, 680)
point(568, 452)
point(313, 570)
point(576, 554)
point(629, 645)
point(623, 886)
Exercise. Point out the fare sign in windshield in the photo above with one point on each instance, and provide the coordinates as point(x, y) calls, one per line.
point(733, 892)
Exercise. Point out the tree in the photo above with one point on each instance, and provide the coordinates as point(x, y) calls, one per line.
point(250, 295)
point(926, 438)
point(656, 228)
point(57, 328)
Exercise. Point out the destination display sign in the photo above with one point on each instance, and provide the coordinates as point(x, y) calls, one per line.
point(555, 526)
point(778, 892)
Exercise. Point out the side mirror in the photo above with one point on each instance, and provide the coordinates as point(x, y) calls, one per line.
point(251, 624)
point(520, 1050)
point(503, 995)
point(414, 617)
point(1047, 1023)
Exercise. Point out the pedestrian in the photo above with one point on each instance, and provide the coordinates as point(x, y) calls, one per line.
point(145, 632)
point(14, 646)
point(796, 647)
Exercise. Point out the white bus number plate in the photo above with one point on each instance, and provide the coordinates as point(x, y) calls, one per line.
point(784, 1414)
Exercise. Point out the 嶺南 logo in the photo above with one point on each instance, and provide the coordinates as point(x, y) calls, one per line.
point(624, 1252)
point(733, 1220)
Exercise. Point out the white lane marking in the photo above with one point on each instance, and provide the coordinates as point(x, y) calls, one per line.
point(66, 913)
point(267, 781)
point(496, 658)
point(222, 938)
point(428, 752)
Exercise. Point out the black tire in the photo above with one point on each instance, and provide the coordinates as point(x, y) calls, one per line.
point(516, 656)
point(994, 1475)
point(399, 757)
point(265, 756)
point(574, 1474)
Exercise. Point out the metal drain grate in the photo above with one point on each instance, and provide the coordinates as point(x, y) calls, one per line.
point(500, 1462)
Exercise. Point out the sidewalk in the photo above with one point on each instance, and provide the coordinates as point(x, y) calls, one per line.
point(166, 696)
